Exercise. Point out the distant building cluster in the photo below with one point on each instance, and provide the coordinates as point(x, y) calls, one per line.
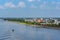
point(44, 20)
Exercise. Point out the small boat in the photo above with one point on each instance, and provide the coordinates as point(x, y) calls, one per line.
point(12, 30)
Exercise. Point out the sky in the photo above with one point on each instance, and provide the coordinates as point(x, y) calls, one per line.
point(29, 8)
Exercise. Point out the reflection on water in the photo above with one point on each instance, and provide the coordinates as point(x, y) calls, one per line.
point(26, 32)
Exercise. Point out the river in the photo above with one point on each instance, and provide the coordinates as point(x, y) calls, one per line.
point(26, 32)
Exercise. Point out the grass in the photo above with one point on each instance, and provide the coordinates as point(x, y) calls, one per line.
point(39, 24)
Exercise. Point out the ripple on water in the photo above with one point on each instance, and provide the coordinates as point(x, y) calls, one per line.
point(24, 32)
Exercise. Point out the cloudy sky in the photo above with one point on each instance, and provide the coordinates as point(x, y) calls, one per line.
point(29, 8)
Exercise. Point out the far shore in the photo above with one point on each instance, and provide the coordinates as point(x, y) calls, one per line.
point(37, 26)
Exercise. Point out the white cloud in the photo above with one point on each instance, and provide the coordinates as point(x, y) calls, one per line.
point(57, 7)
point(42, 6)
point(38, 0)
point(45, 5)
point(21, 4)
point(33, 6)
point(9, 5)
point(1, 7)
point(53, 2)
point(31, 0)
point(44, 2)
point(57, 2)
point(34, 0)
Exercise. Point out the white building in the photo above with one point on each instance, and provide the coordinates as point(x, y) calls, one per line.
point(29, 20)
point(56, 21)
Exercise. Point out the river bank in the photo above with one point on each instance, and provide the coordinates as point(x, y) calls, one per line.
point(38, 26)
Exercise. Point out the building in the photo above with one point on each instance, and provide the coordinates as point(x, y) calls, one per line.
point(29, 20)
point(40, 20)
point(44, 20)
point(56, 21)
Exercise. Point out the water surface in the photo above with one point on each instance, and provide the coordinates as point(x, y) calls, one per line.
point(26, 32)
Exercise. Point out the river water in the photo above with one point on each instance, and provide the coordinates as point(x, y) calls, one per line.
point(26, 32)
